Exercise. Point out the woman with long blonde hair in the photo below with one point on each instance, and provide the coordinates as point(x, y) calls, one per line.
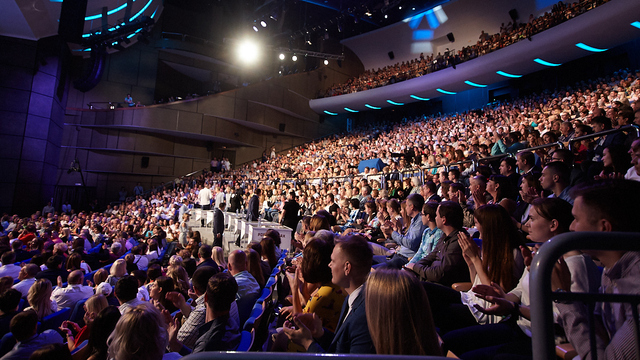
point(218, 257)
point(398, 314)
point(39, 298)
point(118, 270)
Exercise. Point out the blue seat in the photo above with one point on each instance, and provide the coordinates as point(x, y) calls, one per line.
point(89, 276)
point(246, 341)
point(77, 315)
point(94, 249)
point(80, 347)
point(54, 320)
point(245, 306)
point(271, 282)
point(256, 313)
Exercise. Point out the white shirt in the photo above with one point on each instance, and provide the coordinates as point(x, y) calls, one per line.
point(143, 293)
point(632, 174)
point(70, 295)
point(12, 270)
point(141, 261)
point(129, 305)
point(352, 299)
point(205, 197)
point(24, 286)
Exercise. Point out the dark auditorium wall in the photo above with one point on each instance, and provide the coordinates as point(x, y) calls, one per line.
point(32, 97)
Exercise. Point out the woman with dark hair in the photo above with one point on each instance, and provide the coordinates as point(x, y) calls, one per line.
point(616, 160)
point(548, 217)
point(158, 291)
point(319, 222)
point(253, 266)
point(499, 261)
point(264, 265)
point(269, 251)
point(398, 314)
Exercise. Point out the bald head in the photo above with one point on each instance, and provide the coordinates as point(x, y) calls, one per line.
point(237, 261)
point(76, 277)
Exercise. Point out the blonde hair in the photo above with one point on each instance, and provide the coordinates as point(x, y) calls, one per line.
point(94, 305)
point(179, 276)
point(119, 268)
point(218, 256)
point(139, 334)
point(39, 297)
point(399, 315)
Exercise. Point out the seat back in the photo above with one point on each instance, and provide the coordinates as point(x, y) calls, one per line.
point(246, 341)
point(245, 306)
point(77, 315)
point(7, 343)
point(54, 320)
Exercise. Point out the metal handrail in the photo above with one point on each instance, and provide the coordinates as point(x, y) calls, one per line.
point(540, 285)
point(606, 132)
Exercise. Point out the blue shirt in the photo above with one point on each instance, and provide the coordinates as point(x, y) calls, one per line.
point(23, 350)
point(564, 195)
point(410, 242)
point(429, 241)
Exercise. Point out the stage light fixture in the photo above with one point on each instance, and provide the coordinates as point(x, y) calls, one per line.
point(326, 62)
point(255, 28)
point(281, 56)
point(294, 58)
point(248, 51)
point(263, 23)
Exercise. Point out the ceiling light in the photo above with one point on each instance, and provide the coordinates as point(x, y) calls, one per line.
point(255, 28)
point(294, 58)
point(326, 62)
point(263, 23)
point(281, 56)
point(386, 16)
point(248, 51)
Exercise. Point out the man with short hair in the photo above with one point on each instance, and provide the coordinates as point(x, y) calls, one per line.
point(409, 242)
point(8, 267)
point(204, 257)
point(24, 327)
point(429, 192)
point(220, 332)
point(253, 210)
point(508, 168)
point(74, 292)
point(9, 301)
point(445, 264)
point(247, 284)
point(27, 278)
point(350, 265)
point(218, 224)
point(188, 333)
point(555, 178)
point(607, 205)
point(126, 291)
point(526, 162)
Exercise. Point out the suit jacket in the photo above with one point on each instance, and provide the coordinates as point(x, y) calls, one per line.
point(352, 334)
point(218, 227)
point(253, 211)
point(445, 264)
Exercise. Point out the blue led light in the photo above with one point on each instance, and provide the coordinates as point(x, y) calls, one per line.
point(636, 24)
point(394, 103)
point(584, 46)
point(86, 35)
point(445, 91)
point(154, 12)
point(419, 98)
point(506, 74)
point(372, 107)
point(422, 35)
point(545, 63)
point(330, 113)
point(474, 84)
point(141, 11)
point(350, 110)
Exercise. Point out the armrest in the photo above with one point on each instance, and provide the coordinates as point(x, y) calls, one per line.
point(565, 351)
point(462, 286)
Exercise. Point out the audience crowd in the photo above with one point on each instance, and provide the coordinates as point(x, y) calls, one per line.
point(454, 201)
point(511, 33)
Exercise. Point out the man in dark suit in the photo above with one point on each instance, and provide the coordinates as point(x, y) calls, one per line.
point(350, 264)
point(218, 224)
point(253, 212)
point(204, 257)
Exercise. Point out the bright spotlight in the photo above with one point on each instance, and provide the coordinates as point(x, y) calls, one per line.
point(247, 51)
point(255, 28)
point(326, 62)
point(263, 23)
point(281, 56)
point(294, 58)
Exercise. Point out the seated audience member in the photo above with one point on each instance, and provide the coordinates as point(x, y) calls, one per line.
point(634, 171)
point(126, 291)
point(218, 256)
point(54, 269)
point(351, 261)
point(500, 262)
point(204, 257)
point(409, 242)
point(556, 179)
point(269, 250)
point(24, 327)
point(116, 272)
point(254, 266)
point(39, 299)
point(27, 277)
point(140, 260)
point(264, 265)
point(140, 334)
point(398, 315)
point(609, 205)
point(75, 334)
point(512, 337)
point(445, 265)
point(51, 352)
point(102, 326)
point(68, 296)
point(9, 301)
point(143, 292)
point(247, 284)
point(8, 267)
point(158, 291)
point(221, 331)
